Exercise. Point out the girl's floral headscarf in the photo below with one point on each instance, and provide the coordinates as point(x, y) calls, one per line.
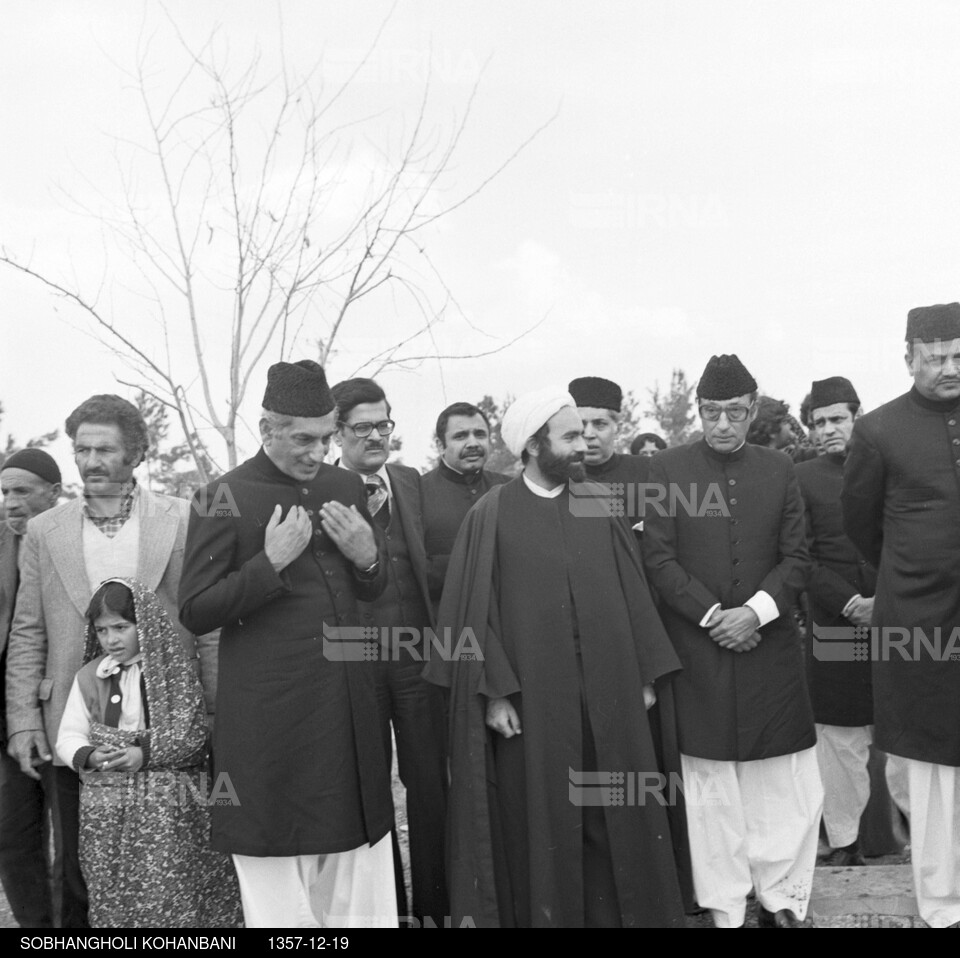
point(177, 737)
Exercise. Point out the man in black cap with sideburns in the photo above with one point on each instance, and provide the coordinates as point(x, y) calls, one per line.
point(725, 549)
point(901, 508)
point(278, 552)
point(840, 595)
point(599, 402)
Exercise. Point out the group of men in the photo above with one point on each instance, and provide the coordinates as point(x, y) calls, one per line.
point(618, 721)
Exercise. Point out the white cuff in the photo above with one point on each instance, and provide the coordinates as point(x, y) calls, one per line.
point(764, 606)
point(707, 617)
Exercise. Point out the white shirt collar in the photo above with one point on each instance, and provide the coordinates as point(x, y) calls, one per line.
point(540, 491)
point(381, 472)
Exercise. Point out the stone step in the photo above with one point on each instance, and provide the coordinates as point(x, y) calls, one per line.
point(871, 896)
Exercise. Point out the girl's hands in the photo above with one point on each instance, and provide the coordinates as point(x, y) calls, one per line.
point(108, 758)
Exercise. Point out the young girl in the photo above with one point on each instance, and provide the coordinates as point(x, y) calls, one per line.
point(134, 729)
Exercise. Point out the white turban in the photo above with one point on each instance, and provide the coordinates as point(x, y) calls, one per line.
point(529, 412)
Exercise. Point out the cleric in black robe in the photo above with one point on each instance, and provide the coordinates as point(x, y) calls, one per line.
point(571, 646)
point(901, 506)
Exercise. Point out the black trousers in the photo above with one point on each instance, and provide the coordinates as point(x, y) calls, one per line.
point(418, 714)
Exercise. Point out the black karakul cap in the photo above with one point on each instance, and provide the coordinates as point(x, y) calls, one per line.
point(826, 392)
point(298, 389)
point(929, 323)
point(725, 377)
point(596, 392)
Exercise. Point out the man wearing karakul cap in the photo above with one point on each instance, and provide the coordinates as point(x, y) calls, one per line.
point(278, 552)
point(570, 648)
point(901, 508)
point(840, 596)
point(726, 553)
point(599, 403)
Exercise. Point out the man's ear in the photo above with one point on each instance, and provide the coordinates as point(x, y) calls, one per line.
point(533, 447)
point(264, 430)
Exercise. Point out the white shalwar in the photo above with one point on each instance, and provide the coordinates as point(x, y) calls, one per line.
point(753, 825)
point(843, 753)
point(932, 801)
point(352, 889)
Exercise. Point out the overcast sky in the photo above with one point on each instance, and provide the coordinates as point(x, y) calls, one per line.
point(777, 180)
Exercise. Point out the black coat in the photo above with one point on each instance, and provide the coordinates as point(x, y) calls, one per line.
point(447, 498)
point(841, 691)
point(296, 728)
point(728, 526)
point(901, 508)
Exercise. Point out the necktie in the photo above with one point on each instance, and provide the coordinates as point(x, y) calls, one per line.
point(376, 494)
point(111, 714)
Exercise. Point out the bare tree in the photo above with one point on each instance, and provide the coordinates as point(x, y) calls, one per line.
point(245, 238)
point(674, 410)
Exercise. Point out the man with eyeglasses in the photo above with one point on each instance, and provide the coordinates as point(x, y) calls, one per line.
point(901, 508)
point(725, 548)
point(401, 615)
point(278, 552)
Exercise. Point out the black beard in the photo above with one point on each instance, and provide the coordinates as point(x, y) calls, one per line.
point(558, 469)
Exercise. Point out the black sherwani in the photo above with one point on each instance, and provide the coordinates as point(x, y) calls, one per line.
point(901, 505)
point(447, 498)
point(728, 526)
point(840, 691)
point(296, 728)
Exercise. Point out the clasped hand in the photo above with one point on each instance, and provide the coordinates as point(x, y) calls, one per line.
point(735, 629)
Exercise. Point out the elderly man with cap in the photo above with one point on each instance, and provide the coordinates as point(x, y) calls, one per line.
point(278, 552)
point(30, 481)
point(726, 552)
point(840, 595)
point(599, 402)
point(901, 509)
point(570, 647)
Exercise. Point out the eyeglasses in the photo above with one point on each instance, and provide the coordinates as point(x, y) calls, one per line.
point(363, 429)
point(734, 413)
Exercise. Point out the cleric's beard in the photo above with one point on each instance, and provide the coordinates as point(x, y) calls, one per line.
point(558, 469)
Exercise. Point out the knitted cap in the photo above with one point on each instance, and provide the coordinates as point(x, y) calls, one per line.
point(724, 378)
point(596, 392)
point(298, 389)
point(37, 461)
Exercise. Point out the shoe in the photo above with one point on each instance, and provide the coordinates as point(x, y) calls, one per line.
point(842, 857)
point(781, 919)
